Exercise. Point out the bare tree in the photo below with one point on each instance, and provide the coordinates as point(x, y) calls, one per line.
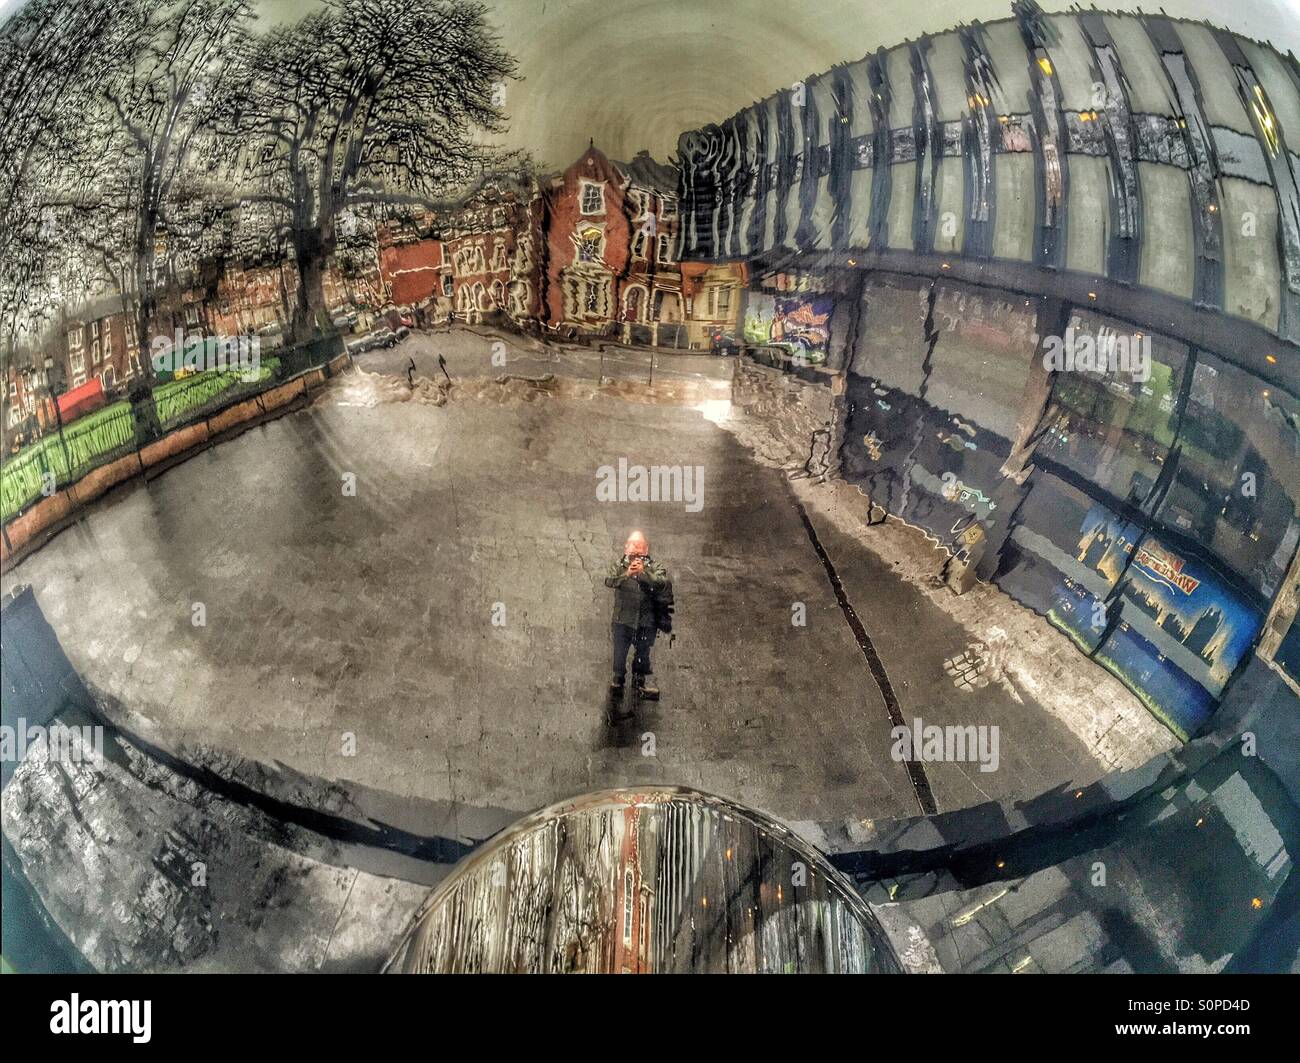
point(361, 102)
point(52, 56)
point(161, 99)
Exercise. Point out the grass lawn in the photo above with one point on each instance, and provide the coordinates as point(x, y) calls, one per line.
point(89, 438)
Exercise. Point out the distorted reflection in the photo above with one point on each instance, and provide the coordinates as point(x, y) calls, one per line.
point(637, 882)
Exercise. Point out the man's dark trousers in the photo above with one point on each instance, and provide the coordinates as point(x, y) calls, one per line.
point(625, 638)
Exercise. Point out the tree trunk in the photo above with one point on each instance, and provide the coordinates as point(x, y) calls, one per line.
point(310, 256)
point(140, 392)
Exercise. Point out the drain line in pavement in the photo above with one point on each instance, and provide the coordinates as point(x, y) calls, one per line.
point(915, 770)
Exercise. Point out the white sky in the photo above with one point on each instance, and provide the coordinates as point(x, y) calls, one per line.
point(636, 73)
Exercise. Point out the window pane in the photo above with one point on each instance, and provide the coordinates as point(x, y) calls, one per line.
point(1237, 488)
point(1112, 426)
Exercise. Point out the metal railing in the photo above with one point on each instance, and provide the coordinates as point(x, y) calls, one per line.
point(66, 455)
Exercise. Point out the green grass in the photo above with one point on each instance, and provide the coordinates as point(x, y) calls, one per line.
point(176, 398)
point(89, 438)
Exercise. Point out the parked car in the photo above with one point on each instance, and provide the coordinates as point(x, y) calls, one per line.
point(380, 337)
point(270, 337)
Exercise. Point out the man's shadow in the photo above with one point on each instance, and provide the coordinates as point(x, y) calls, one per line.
point(621, 712)
point(626, 717)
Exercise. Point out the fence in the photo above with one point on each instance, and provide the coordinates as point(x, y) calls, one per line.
point(66, 456)
point(181, 401)
point(108, 434)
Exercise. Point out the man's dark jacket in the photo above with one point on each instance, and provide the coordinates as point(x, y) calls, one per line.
point(644, 602)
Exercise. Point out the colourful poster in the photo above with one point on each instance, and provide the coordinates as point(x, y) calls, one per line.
point(800, 324)
point(1184, 630)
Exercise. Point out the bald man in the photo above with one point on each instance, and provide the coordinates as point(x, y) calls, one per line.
point(643, 606)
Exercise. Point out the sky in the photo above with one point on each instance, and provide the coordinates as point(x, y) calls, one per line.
point(634, 74)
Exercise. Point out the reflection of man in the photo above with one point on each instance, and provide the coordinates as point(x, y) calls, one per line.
point(643, 606)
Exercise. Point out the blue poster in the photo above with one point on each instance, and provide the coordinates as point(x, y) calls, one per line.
point(1184, 631)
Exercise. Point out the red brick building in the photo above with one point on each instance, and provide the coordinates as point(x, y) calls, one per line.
point(411, 272)
point(612, 266)
point(249, 297)
point(101, 343)
point(493, 251)
point(588, 243)
point(28, 409)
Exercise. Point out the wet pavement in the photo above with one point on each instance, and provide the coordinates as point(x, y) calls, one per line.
point(442, 632)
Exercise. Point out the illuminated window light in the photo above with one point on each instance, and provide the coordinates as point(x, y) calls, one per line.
point(1045, 65)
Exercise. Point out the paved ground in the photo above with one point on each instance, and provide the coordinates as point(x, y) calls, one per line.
point(470, 352)
point(353, 636)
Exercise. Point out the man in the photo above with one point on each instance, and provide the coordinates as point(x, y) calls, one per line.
point(643, 606)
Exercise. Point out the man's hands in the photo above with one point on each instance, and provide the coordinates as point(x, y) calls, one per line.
point(636, 566)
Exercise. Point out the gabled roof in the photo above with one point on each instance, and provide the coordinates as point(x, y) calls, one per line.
point(644, 172)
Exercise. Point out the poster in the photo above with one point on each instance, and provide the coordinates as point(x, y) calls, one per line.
point(1183, 633)
point(799, 323)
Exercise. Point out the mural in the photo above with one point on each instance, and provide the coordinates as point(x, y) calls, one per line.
point(800, 324)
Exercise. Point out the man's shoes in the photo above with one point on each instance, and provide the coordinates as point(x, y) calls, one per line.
point(643, 687)
point(616, 685)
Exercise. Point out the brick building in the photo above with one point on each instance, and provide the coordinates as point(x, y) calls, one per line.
point(612, 267)
point(493, 251)
point(411, 272)
point(589, 245)
point(101, 343)
point(28, 408)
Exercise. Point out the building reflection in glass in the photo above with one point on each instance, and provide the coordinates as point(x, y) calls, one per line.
point(642, 881)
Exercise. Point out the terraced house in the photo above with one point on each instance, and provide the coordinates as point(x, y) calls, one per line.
point(491, 251)
point(102, 344)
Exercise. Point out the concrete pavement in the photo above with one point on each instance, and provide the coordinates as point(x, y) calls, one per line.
point(442, 632)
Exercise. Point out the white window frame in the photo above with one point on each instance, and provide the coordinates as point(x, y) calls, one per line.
point(664, 250)
point(668, 206)
point(580, 239)
point(599, 187)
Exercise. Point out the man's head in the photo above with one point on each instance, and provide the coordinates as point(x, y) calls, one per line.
point(637, 545)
